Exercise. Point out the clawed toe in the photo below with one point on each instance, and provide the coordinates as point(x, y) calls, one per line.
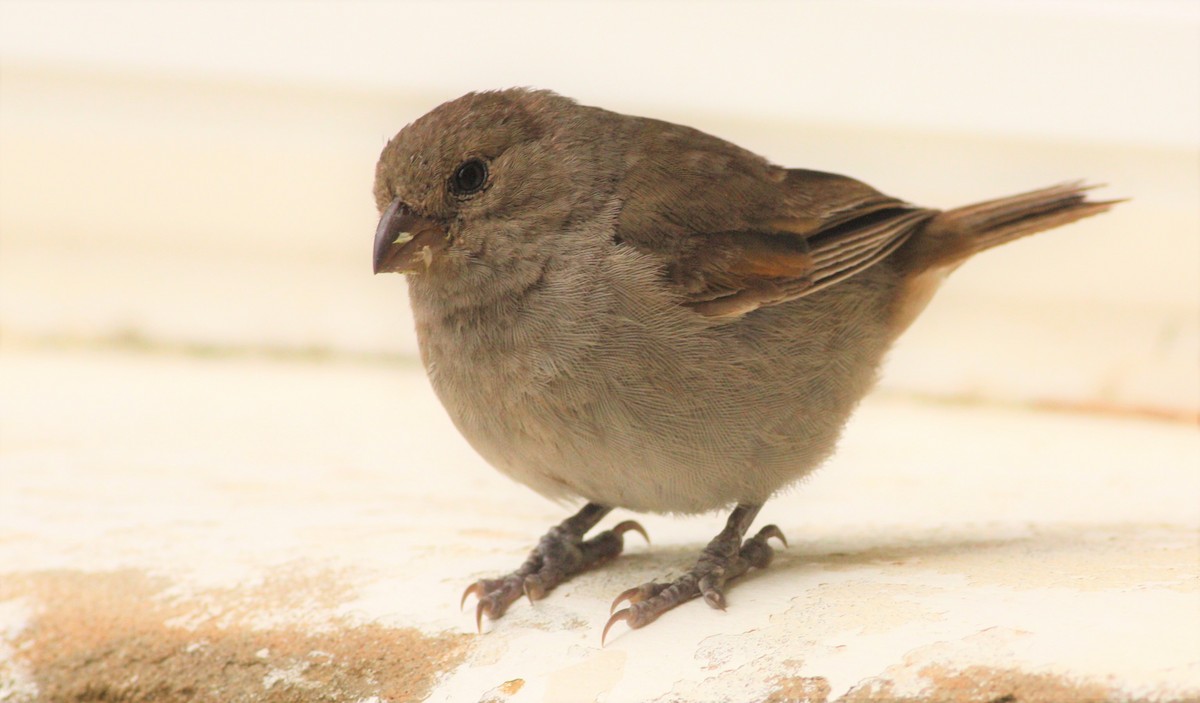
point(613, 619)
point(771, 531)
point(757, 551)
point(630, 595)
point(495, 595)
point(648, 601)
point(563, 553)
point(533, 588)
point(475, 589)
point(559, 555)
point(637, 594)
point(631, 526)
point(481, 608)
point(711, 585)
point(724, 559)
point(491, 606)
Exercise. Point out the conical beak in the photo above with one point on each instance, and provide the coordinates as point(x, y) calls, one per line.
point(406, 242)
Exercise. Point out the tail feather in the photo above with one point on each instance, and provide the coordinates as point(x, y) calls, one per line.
point(957, 234)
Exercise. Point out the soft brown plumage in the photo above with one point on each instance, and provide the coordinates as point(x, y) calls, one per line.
point(641, 315)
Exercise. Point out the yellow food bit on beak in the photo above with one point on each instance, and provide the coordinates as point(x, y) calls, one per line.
point(402, 238)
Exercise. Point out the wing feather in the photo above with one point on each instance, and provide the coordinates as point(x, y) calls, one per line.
point(736, 233)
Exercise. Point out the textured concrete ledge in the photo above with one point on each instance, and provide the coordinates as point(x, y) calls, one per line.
point(226, 529)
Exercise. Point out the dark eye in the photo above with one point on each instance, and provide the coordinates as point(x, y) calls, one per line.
point(469, 177)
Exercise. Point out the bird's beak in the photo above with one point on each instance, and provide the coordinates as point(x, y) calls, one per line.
point(406, 242)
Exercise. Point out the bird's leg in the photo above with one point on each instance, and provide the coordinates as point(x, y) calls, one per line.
point(724, 559)
point(560, 554)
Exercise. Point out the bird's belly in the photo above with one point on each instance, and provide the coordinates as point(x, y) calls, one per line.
point(633, 445)
point(622, 397)
point(657, 423)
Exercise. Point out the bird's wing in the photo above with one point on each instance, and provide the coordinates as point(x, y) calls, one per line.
point(737, 233)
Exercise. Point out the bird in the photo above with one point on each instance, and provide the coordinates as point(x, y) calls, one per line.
point(631, 313)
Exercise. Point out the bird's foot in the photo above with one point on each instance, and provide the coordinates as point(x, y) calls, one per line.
point(723, 560)
point(560, 554)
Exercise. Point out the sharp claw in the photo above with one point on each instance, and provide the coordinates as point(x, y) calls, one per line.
point(475, 588)
point(479, 610)
point(772, 531)
point(616, 617)
point(627, 595)
point(532, 586)
point(710, 588)
point(631, 525)
point(715, 599)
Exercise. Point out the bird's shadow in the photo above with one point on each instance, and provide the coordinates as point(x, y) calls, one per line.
point(847, 552)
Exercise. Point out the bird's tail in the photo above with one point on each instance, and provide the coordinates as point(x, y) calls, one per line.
point(954, 235)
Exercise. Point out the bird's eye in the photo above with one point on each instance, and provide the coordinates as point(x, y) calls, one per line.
point(469, 177)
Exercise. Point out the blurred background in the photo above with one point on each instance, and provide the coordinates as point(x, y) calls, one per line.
point(196, 176)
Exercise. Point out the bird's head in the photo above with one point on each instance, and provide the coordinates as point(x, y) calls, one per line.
point(475, 188)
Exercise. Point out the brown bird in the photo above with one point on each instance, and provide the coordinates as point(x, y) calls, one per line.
point(640, 315)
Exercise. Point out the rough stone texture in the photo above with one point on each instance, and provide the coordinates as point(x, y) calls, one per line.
point(122, 636)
